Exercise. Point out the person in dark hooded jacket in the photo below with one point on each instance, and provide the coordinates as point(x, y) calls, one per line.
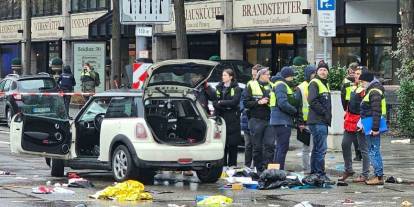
point(373, 106)
point(227, 106)
point(282, 113)
point(66, 82)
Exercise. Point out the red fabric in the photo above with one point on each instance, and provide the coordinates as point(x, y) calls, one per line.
point(351, 121)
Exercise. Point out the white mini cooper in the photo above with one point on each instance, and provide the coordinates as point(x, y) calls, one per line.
point(131, 133)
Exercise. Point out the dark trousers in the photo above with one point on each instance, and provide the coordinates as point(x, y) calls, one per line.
point(357, 149)
point(319, 134)
point(348, 139)
point(230, 155)
point(282, 144)
point(248, 149)
point(66, 100)
point(263, 141)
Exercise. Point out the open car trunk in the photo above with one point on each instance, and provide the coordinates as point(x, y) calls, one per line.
point(175, 121)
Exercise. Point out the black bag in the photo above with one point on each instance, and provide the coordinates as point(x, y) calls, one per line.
point(304, 136)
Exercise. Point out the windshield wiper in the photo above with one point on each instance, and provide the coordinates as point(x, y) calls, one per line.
point(162, 92)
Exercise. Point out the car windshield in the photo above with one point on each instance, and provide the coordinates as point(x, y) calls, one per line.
point(37, 84)
point(189, 75)
point(51, 106)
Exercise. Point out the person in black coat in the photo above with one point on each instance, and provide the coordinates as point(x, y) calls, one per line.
point(227, 106)
point(66, 82)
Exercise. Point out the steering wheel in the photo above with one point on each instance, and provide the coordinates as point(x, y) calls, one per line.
point(98, 121)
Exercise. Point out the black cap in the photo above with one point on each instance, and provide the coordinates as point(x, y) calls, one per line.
point(366, 76)
point(323, 65)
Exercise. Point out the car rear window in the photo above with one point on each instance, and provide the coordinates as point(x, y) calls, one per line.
point(122, 107)
point(39, 84)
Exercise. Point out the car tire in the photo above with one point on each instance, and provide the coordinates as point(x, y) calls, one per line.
point(57, 167)
point(146, 176)
point(9, 116)
point(121, 159)
point(47, 161)
point(209, 175)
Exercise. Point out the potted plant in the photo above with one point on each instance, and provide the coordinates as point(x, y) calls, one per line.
point(16, 65)
point(56, 64)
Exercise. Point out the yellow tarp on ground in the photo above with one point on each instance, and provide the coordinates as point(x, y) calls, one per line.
point(129, 190)
point(215, 201)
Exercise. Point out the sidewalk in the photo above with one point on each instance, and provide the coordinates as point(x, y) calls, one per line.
point(398, 159)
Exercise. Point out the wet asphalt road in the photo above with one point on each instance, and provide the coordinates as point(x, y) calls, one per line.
point(174, 188)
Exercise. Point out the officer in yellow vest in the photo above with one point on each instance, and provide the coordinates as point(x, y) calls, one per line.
point(374, 106)
point(257, 101)
point(348, 84)
point(319, 118)
point(282, 113)
point(301, 95)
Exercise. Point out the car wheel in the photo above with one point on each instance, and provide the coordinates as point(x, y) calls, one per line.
point(209, 175)
point(146, 176)
point(47, 161)
point(9, 116)
point(122, 164)
point(58, 167)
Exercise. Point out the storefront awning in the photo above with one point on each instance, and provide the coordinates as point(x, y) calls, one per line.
point(101, 28)
point(170, 34)
point(273, 29)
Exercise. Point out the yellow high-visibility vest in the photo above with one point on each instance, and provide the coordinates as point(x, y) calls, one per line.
point(383, 102)
point(273, 99)
point(304, 90)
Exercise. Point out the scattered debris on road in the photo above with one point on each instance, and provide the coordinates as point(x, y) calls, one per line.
point(215, 201)
point(401, 141)
point(129, 190)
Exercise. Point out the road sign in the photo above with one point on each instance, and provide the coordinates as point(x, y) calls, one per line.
point(326, 18)
point(145, 11)
point(143, 31)
point(139, 74)
point(326, 5)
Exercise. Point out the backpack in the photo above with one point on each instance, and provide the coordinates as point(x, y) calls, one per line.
point(97, 79)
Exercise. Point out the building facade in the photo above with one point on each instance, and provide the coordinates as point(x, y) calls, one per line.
point(273, 32)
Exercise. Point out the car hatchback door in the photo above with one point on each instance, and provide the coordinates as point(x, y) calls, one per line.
point(42, 132)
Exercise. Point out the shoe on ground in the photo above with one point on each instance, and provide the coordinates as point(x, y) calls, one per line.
point(345, 176)
point(375, 181)
point(360, 179)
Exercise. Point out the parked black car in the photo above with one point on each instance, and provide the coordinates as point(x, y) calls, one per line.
point(12, 101)
point(241, 68)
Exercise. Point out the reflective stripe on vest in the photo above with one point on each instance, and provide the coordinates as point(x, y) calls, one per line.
point(304, 90)
point(257, 89)
point(218, 93)
point(383, 102)
point(273, 95)
point(321, 87)
point(348, 89)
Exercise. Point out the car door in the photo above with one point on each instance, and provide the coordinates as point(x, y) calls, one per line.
point(48, 134)
point(2, 99)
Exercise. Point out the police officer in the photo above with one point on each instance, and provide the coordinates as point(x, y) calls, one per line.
point(244, 122)
point(373, 106)
point(301, 95)
point(66, 82)
point(257, 101)
point(348, 84)
point(227, 106)
point(283, 112)
point(319, 118)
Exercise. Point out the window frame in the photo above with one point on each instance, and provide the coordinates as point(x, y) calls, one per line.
point(48, 7)
point(98, 6)
point(14, 13)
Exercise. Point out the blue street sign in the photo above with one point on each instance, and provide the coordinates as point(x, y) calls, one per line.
point(327, 5)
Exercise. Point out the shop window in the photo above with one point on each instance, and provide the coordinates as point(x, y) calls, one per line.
point(345, 55)
point(380, 61)
point(46, 7)
point(284, 38)
point(379, 35)
point(10, 9)
point(89, 5)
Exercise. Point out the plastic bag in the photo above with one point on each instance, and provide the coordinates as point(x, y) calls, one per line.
point(215, 201)
point(129, 190)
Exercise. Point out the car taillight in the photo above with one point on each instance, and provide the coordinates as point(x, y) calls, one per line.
point(17, 96)
point(184, 161)
point(140, 131)
point(217, 133)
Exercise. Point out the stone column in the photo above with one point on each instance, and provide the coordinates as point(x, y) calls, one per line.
point(231, 45)
point(161, 46)
point(66, 44)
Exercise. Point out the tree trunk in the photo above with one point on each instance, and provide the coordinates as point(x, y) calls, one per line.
point(116, 45)
point(28, 39)
point(180, 28)
point(407, 24)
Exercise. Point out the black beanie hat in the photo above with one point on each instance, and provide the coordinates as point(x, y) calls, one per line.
point(366, 76)
point(287, 72)
point(323, 65)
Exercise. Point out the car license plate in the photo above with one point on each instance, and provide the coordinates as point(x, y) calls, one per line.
point(41, 110)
